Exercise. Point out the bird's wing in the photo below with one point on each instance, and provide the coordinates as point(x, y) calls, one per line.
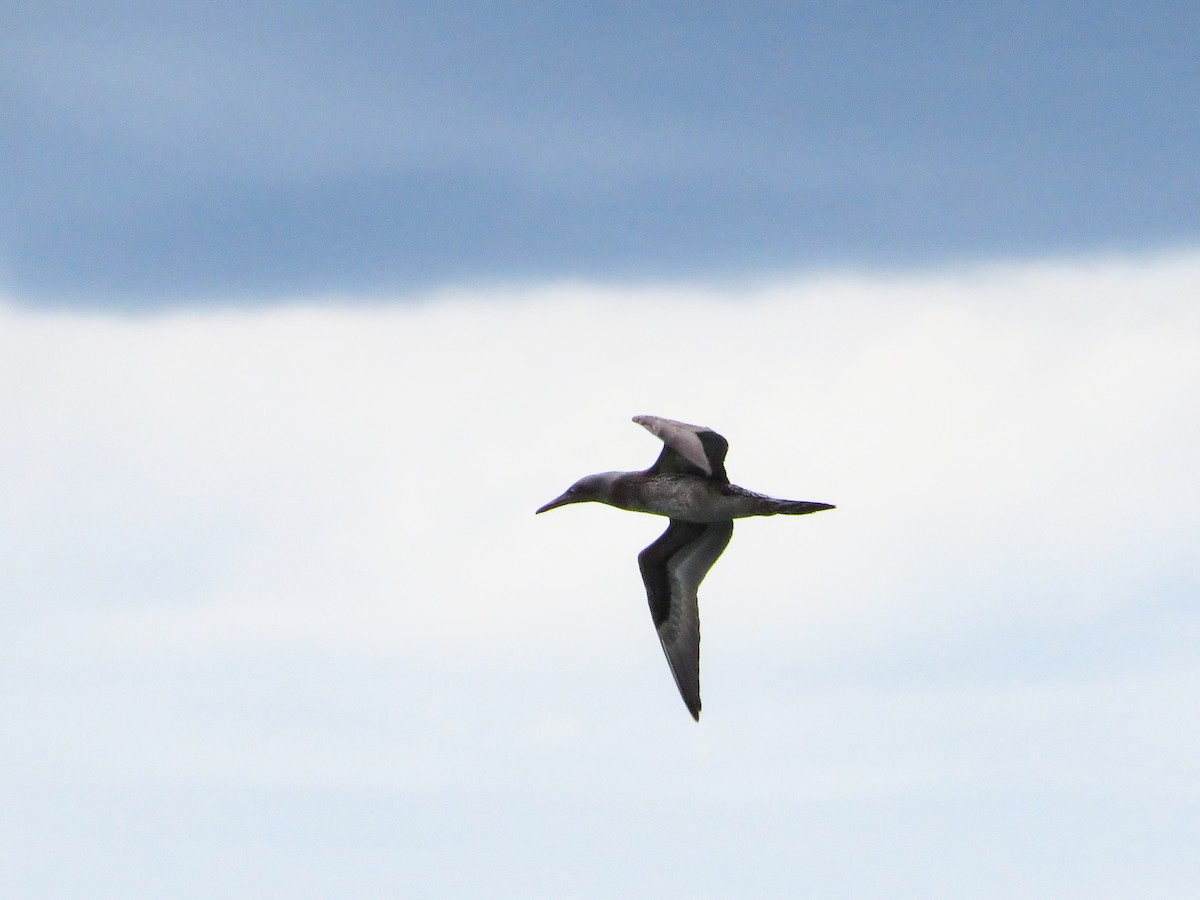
point(672, 568)
point(690, 449)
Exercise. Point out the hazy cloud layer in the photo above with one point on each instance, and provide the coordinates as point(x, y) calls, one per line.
point(279, 619)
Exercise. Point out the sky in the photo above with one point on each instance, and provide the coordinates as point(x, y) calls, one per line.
point(305, 309)
point(165, 152)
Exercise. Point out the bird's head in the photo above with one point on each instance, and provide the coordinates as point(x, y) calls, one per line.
point(591, 487)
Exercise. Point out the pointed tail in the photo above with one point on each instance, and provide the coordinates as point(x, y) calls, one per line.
point(799, 507)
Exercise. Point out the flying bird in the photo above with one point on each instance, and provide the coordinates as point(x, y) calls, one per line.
point(688, 485)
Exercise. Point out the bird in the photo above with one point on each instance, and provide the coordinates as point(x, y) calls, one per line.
point(688, 485)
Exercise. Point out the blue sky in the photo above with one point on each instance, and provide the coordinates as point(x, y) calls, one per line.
point(305, 308)
point(165, 152)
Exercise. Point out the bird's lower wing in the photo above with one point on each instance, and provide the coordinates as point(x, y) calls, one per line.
point(672, 569)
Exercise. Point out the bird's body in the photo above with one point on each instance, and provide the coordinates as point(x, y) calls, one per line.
point(688, 485)
point(688, 498)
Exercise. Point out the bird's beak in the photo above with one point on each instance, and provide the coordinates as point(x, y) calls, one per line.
point(558, 501)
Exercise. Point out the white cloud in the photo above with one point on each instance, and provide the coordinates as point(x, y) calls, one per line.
point(1011, 450)
point(295, 550)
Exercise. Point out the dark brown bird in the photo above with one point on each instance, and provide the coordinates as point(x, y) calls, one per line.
point(688, 484)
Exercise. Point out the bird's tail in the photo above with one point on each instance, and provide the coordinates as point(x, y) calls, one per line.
point(799, 507)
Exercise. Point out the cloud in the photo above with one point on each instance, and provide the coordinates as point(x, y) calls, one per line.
point(1016, 438)
point(291, 553)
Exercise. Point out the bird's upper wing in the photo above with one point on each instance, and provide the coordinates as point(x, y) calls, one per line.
point(672, 568)
point(690, 449)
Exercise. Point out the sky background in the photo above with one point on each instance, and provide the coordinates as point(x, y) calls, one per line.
point(305, 308)
point(254, 150)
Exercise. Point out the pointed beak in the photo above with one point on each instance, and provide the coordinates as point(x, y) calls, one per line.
point(558, 501)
